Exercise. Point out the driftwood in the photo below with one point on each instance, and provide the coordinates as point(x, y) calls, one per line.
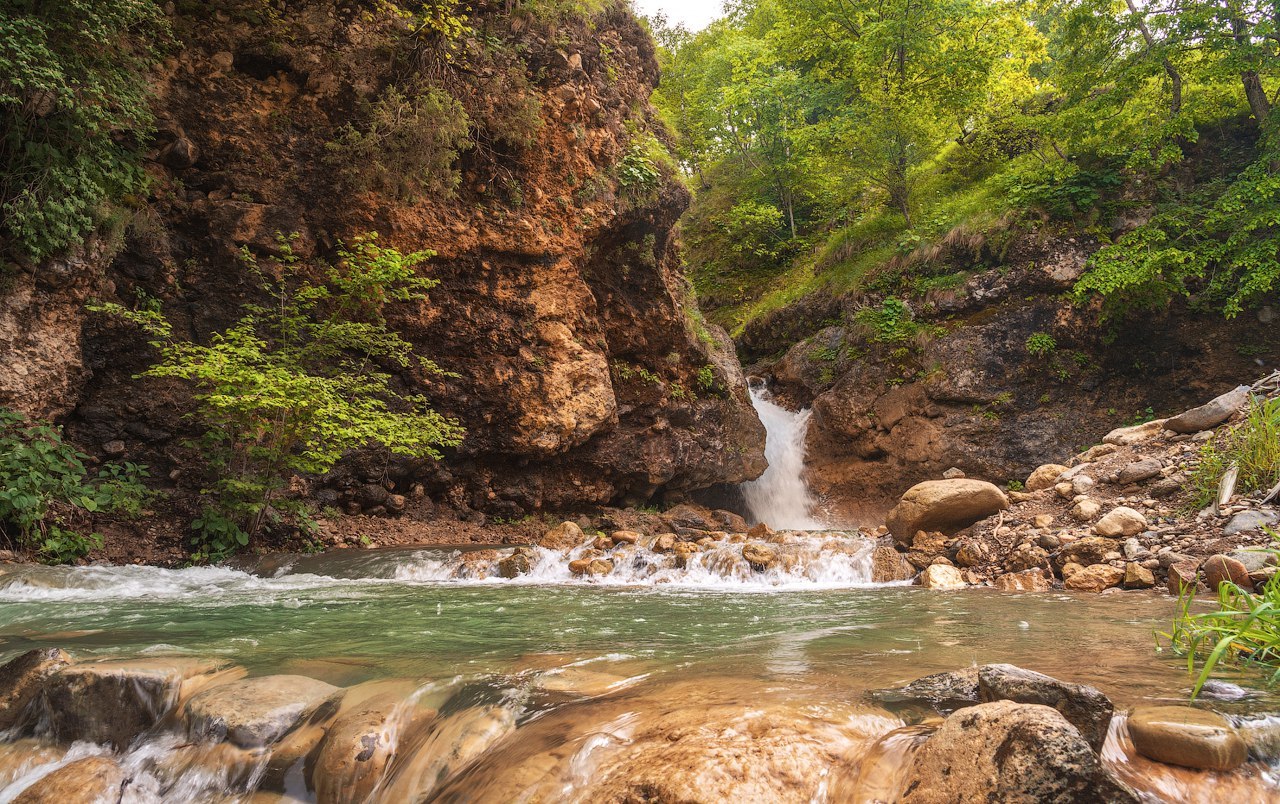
point(1227, 487)
point(1271, 495)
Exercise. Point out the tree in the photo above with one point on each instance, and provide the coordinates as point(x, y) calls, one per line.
point(297, 383)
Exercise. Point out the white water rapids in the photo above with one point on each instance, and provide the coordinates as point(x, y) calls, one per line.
point(780, 497)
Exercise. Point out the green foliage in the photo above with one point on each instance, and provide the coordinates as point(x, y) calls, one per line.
point(891, 322)
point(73, 113)
point(45, 485)
point(406, 144)
point(1041, 344)
point(1243, 629)
point(1253, 446)
point(707, 378)
point(301, 381)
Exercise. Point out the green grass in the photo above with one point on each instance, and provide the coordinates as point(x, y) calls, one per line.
point(1243, 630)
point(1253, 445)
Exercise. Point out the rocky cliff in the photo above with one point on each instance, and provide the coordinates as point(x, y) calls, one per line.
point(988, 370)
point(579, 365)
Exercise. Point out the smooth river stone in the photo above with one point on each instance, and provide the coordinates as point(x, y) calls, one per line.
point(1180, 735)
point(91, 779)
point(254, 712)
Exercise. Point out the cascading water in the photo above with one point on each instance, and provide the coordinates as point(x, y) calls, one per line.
point(780, 497)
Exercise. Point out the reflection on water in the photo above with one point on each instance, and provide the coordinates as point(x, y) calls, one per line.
point(556, 687)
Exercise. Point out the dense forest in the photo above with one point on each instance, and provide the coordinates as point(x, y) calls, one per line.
point(844, 144)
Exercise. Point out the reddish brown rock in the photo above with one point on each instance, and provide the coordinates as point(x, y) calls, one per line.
point(1222, 569)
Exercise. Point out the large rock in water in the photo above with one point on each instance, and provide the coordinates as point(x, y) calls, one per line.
point(115, 701)
point(21, 680)
point(1211, 414)
point(1180, 735)
point(255, 712)
point(942, 692)
point(1008, 752)
point(453, 743)
point(92, 779)
point(1083, 706)
point(944, 505)
point(360, 743)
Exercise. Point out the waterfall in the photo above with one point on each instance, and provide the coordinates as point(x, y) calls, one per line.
point(780, 496)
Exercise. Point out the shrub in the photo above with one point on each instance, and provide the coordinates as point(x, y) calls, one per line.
point(1253, 446)
point(73, 108)
point(298, 383)
point(45, 484)
point(407, 145)
point(1040, 344)
point(891, 322)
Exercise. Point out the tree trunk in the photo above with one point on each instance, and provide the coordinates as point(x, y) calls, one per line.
point(1175, 78)
point(1259, 103)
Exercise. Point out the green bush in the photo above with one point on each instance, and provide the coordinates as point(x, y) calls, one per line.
point(1040, 344)
point(1253, 446)
point(73, 110)
point(298, 383)
point(45, 485)
point(891, 322)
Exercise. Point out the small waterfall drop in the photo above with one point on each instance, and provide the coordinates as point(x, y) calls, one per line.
point(780, 497)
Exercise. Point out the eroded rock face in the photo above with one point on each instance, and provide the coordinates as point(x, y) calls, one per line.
point(1006, 751)
point(944, 505)
point(254, 712)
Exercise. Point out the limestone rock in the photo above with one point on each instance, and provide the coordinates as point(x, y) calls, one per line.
point(1128, 436)
point(453, 743)
point(1222, 569)
point(254, 712)
point(1095, 578)
point(1010, 752)
point(565, 536)
point(942, 578)
point(1137, 576)
point(759, 556)
point(1083, 706)
point(1139, 471)
point(888, 565)
point(1086, 551)
point(944, 505)
point(1086, 510)
point(1180, 735)
point(517, 564)
point(1045, 477)
point(953, 473)
point(1121, 521)
point(1032, 580)
point(1249, 521)
point(358, 746)
point(971, 552)
point(92, 779)
point(1082, 484)
point(22, 678)
point(1254, 560)
point(663, 543)
point(115, 701)
point(1210, 414)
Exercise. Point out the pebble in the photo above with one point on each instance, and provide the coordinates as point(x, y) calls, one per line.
point(1180, 735)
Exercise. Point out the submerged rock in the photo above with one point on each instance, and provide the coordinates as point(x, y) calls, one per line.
point(1180, 735)
point(359, 745)
point(517, 564)
point(452, 744)
point(92, 779)
point(1083, 706)
point(944, 505)
point(254, 712)
point(1006, 751)
point(22, 678)
point(759, 556)
point(942, 692)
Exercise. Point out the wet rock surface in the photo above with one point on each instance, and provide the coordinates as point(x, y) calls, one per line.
point(21, 680)
point(255, 712)
point(95, 780)
point(1181, 735)
point(1083, 706)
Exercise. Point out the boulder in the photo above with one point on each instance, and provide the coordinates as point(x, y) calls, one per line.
point(1211, 414)
point(663, 543)
point(942, 692)
point(1254, 560)
point(452, 744)
point(1083, 706)
point(942, 578)
point(22, 678)
point(1086, 510)
point(971, 552)
point(92, 779)
point(359, 744)
point(1221, 569)
point(1128, 436)
point(563, 537)
point(759, 556)
point(1086, 551)
point(1183, 575)
point(1139, 471)
point(944, 505)
point(1095, 578)
point(1137, 576)
point(1249, 521)
point(1045, 477)
point(1121, 521)
point(517, 564)
point(254, 712)
point(888, 565)
point(1026, 557)
point(115, 701)
point(1180, 735)
point(1032, 580)
point(1008, 752)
